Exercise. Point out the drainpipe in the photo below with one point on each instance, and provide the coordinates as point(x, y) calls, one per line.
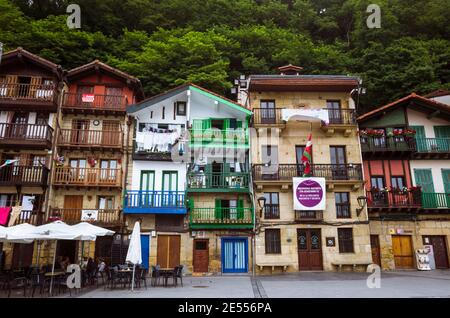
point(126, 161)
point(53, 150)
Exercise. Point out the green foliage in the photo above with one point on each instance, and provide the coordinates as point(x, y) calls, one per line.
point(210, 42)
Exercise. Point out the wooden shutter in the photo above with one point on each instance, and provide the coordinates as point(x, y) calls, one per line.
point(12, 89)
point(218, 209)
point(424, 179)
point(35, 82)
point(442, 131)
point(420, 138)
point(206, 124)
point(446, 179)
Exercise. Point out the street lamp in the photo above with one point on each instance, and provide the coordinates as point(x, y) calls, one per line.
point(261, 203)
point(362, 201)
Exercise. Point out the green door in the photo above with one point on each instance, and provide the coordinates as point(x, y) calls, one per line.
point(169, 187)
point(442, 134)
point(424, 179)
point(147, 186)
point(420, 138)
point(446, 180)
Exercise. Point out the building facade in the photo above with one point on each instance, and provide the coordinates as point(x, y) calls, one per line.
point(90, 154)
point(293, 240)
point(30, 90)
point(405, 146)
point(190, 181)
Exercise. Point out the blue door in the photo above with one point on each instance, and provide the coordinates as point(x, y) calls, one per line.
point(234, 255)
point(145, 249)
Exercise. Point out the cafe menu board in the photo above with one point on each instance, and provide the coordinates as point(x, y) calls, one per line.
point(309, 194)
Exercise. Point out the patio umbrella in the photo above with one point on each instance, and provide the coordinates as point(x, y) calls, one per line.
point(59, 230)
point(88, 228)
point(24, 233)
point(2, 233)
point(134, 249)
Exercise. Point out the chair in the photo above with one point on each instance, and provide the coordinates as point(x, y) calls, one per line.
point(37, 280)
point(140, 276)
point(11, 282)
point(178, 273)
point(156, 275)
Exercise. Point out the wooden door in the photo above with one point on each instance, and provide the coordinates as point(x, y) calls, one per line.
point(440, 251)
point(168, 251)
point(73, 204)
point(201, 256)
point(403, 251)
point(110, 133)
point(309, 245)
point(375, 246)
point(80, 132)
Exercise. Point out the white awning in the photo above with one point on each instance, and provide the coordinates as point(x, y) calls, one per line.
point(305, 114)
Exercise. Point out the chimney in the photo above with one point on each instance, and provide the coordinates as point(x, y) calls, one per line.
point(290, 70)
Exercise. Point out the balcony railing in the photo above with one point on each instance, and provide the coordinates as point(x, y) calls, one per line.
point(87, 177)
point(308, 216)
point(25, 133)
point(433, 145)
point(30, 217)
point(97, 216)
point(216, 217)
point(216, 137)
point(267, 116)
point(286, 172)
point(341, 116)
point(23, 175)
point(90, 138)
point(164, 202)
point(436, 200)
point(29, 92)
point(95, 102)
point(394, 199)
point(384, 144)
point(271, 211)
point(232, 181)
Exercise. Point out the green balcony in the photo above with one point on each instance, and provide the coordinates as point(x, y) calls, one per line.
point(221, 218)
point(217, 182)
point(433, 145)
point(215, 138)
point(436, 200)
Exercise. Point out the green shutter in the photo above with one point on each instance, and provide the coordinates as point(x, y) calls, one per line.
point(420, 138)
point(424, 179)
point(197, 124)
point(446, 179)
point(218, 209)
point(240, 209)
point(206, 124)
point(442, 134)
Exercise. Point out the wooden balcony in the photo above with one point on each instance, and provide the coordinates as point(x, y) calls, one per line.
point(343, 120)
point(90, 139)
point(432, 148)
point(221, 218)
point(30, 217)
point(308, 216)
point(77, 103)
point(393, 200)
point(387, 146)
point(154, 202)
point(100, 217)
point(21, 175)
point(217, 182)
point(29, 136)
point(215, 138)
point(282, 174)
point(28, 97)
point(87, 177)
point(267, 117)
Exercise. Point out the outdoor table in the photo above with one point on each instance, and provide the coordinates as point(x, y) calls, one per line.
point(58, 273)
point(125, 275)
point(166, 273)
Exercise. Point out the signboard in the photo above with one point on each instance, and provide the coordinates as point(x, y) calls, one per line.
point(87, 98)
point(429, 249)
point(89, 215)
point(309, 194)
point(423, 260)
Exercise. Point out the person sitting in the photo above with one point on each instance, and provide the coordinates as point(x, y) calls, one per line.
point(65, 262)
point(101, 265)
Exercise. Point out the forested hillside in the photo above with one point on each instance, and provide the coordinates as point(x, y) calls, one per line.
point(210, 42)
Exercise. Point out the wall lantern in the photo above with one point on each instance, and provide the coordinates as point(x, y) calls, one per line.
point(261, 203)
point(362, 201)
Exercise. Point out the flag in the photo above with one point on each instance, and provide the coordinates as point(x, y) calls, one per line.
point(306, 158)
point(8, 162)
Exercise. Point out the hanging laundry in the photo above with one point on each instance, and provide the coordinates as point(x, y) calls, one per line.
point(4, 215)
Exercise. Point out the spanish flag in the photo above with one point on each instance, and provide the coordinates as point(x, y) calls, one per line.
point(306, 158)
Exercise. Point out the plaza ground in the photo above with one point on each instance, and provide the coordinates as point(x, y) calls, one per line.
point(399, 284)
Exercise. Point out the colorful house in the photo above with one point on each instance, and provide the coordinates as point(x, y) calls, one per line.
point(406, 147)
point(190, 180)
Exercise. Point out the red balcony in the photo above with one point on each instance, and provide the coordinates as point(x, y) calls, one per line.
point(94, 104)
point(90, 139)
point(28, 97)
point(28, 136)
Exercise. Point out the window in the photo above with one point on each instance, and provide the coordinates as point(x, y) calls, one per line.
point(273, 241)
point(377, 182)
point(398, 182)
point(272, 205)
point(268, 112)
point(342, 204)
point(108, 170)
point(345, 237)
point(181, 108)
point(38, 161)
point(41, 119)
point(337, 155)
point(105, 202)
point(333, 104)
point(269, 154)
